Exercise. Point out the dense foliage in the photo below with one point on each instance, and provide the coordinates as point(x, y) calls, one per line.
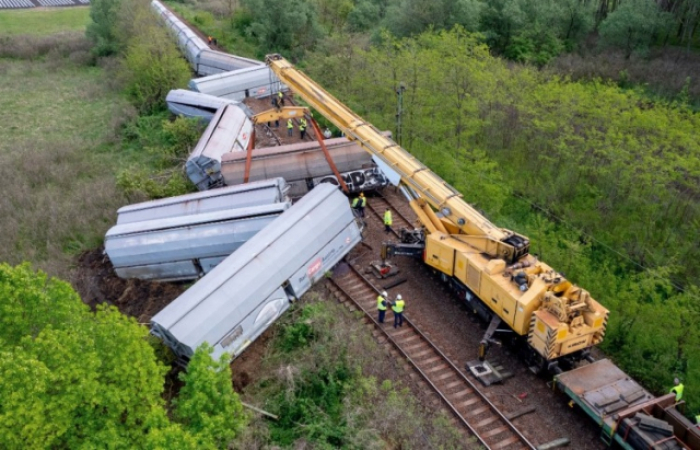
point(333, 387)
point(604, 182)
point(522, 30)
point(76, 379)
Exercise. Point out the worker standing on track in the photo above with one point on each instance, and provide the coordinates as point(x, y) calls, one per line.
point(209, 40)
point(387, 221)
point(677, 389)
point(398, 307)
point(359, 204)
point(302, 128)
point(290, 127)
point(382, 303)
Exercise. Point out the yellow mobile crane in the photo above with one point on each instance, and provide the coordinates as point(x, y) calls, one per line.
point(490, 266)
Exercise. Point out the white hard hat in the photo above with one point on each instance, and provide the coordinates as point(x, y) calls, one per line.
point(676, 381)
point(398, 297)
point(384, 294)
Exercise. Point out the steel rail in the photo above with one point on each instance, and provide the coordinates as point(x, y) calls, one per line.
point(523, 440)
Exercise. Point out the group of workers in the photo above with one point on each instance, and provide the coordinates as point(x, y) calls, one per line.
point(212, 41)
point(359, 203)
point(397, 307)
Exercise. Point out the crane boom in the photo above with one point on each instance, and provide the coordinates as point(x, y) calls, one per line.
point(485, 236)
point(499, 281)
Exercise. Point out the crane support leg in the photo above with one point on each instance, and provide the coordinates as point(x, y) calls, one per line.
point(488, 336)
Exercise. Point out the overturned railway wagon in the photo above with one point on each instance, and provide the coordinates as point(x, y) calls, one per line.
point(258, 193)
point(184, 247)
point(304, 166)
point(204, 61)
point(257, 82)
point(238, 300)
point(195, 105)
point(229, 131)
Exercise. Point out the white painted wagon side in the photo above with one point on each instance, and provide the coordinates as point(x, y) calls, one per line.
point(211, 62)
point(249, 290)
point(174, 248)
point(258, 82)
point(195, 104)
point(229, 131)
point(258, 193)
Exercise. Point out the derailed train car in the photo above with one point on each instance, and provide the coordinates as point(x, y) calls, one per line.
point(264, 192)
point(304, 166)
point(203, 60)
point(195, 105)
point(185, 247)
point(229, 131)
point(257, 82)
point(238, 300)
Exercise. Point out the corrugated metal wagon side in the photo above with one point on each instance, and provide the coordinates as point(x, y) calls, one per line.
point(244, 294)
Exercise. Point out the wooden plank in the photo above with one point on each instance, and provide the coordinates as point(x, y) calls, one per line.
point(520, 412)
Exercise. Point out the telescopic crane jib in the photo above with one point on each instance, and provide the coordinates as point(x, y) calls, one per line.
point(490, 267)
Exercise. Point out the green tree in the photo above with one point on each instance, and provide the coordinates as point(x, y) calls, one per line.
point(86, 380)
point(102, 29)
point(286, 27)
point(152, 66)
point(634, 25)
point(207, 405)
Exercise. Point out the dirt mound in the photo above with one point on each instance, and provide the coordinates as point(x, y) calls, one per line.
point(96, 282)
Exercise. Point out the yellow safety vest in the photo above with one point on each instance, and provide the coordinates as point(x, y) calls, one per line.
point(387, 217)
point(290, 124)
point(361, 201)
point(280, 94)
point(678, 390)
point(381, 303)
point(398, 306)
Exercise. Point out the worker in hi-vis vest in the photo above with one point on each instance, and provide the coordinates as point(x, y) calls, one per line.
point(290, 127)
point(398, 307)
point(382, 303)
point(387, 220)
point(359, 204)
point(677, 389)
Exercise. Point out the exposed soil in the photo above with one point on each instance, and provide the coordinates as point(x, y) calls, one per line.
point(96, 282)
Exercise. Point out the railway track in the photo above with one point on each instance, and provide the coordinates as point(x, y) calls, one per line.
point(377, 205)
point(457, 392)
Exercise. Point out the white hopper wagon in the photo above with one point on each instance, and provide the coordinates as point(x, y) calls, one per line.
point(229, 131)
point(185, 247)
point(238, 300)
point(211, 62)
point(264, 192)
point(194, 104)
point(258, 82)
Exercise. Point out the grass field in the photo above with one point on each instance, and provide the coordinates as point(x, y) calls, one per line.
point(42, 22)
point(57, 147)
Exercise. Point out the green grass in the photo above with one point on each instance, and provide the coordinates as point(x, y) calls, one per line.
point(42, 22)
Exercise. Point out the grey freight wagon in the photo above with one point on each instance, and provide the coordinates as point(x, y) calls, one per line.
point(303, 165)
point(229, 131)
point(238, 300)
point(258, 193)
point(258, 82)
point(185, 247)
point(195, 104)
point(204, 61)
